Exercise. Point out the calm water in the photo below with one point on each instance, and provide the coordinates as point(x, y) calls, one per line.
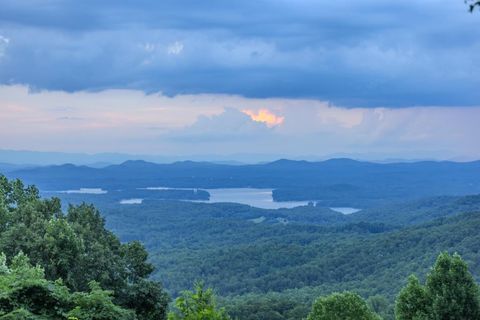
point(259, 198)
point(346, 210)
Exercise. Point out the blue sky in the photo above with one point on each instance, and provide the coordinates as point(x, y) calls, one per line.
point(247, 56)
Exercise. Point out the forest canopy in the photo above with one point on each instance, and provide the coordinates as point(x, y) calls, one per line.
point(76, 260)
point(67, 265)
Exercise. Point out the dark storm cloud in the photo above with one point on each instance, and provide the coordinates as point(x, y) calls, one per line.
point(354, 53)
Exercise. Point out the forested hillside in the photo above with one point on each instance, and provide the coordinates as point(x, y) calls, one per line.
point(288, 266)
point(56, 264)
point(269, 268)
point(282, 267)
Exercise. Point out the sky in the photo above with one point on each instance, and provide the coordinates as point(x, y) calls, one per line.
point(286, 78)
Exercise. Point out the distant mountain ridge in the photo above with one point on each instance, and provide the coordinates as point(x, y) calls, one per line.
point(337, 163)
point(331, 180)
point(102, 159)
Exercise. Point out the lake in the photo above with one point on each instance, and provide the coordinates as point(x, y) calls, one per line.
point(345, 210)
point(259, 198)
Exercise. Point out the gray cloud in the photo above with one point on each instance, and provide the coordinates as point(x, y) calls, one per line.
point(364, 53)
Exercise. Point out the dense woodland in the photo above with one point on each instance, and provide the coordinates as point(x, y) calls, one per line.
point(56, 265)
point(65, 263)
point(281, 269)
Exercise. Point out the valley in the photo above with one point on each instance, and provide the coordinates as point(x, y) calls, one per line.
point(249, 247)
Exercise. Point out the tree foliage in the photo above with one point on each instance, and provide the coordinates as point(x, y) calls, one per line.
point(450, 292)
point(26, 294)
point(266, 271)
point(451, 289)
point(274, 271)
point(346, 306)
point(197, 305)
point(77, 248)
point(381, 306)
point(97, 305)
point(412, 302)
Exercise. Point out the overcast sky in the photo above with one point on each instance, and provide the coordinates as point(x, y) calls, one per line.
point(284, 77)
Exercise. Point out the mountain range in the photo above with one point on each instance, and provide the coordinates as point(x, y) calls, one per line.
point(336, 180)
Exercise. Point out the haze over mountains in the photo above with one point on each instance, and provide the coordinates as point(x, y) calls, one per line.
point(25, 158)
point(336, 181)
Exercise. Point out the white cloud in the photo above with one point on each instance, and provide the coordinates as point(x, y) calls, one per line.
point(175, 48)
point(149, 47)
point(4, 42)
point(232, 125)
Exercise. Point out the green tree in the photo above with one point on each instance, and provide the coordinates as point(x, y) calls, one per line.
point(345, 306)
point(413, 302)
point(452, 290)
point(381, 306)
point(77, 248)
point(147, 298)
point(26, 294)
point(136, 261)
point(450, 293)
point(197, 305)
point(62, 250)
point(24, 291)
point(98, 305)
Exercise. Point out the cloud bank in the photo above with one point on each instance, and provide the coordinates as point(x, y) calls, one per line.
point(368, 53)
point(133, 122)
